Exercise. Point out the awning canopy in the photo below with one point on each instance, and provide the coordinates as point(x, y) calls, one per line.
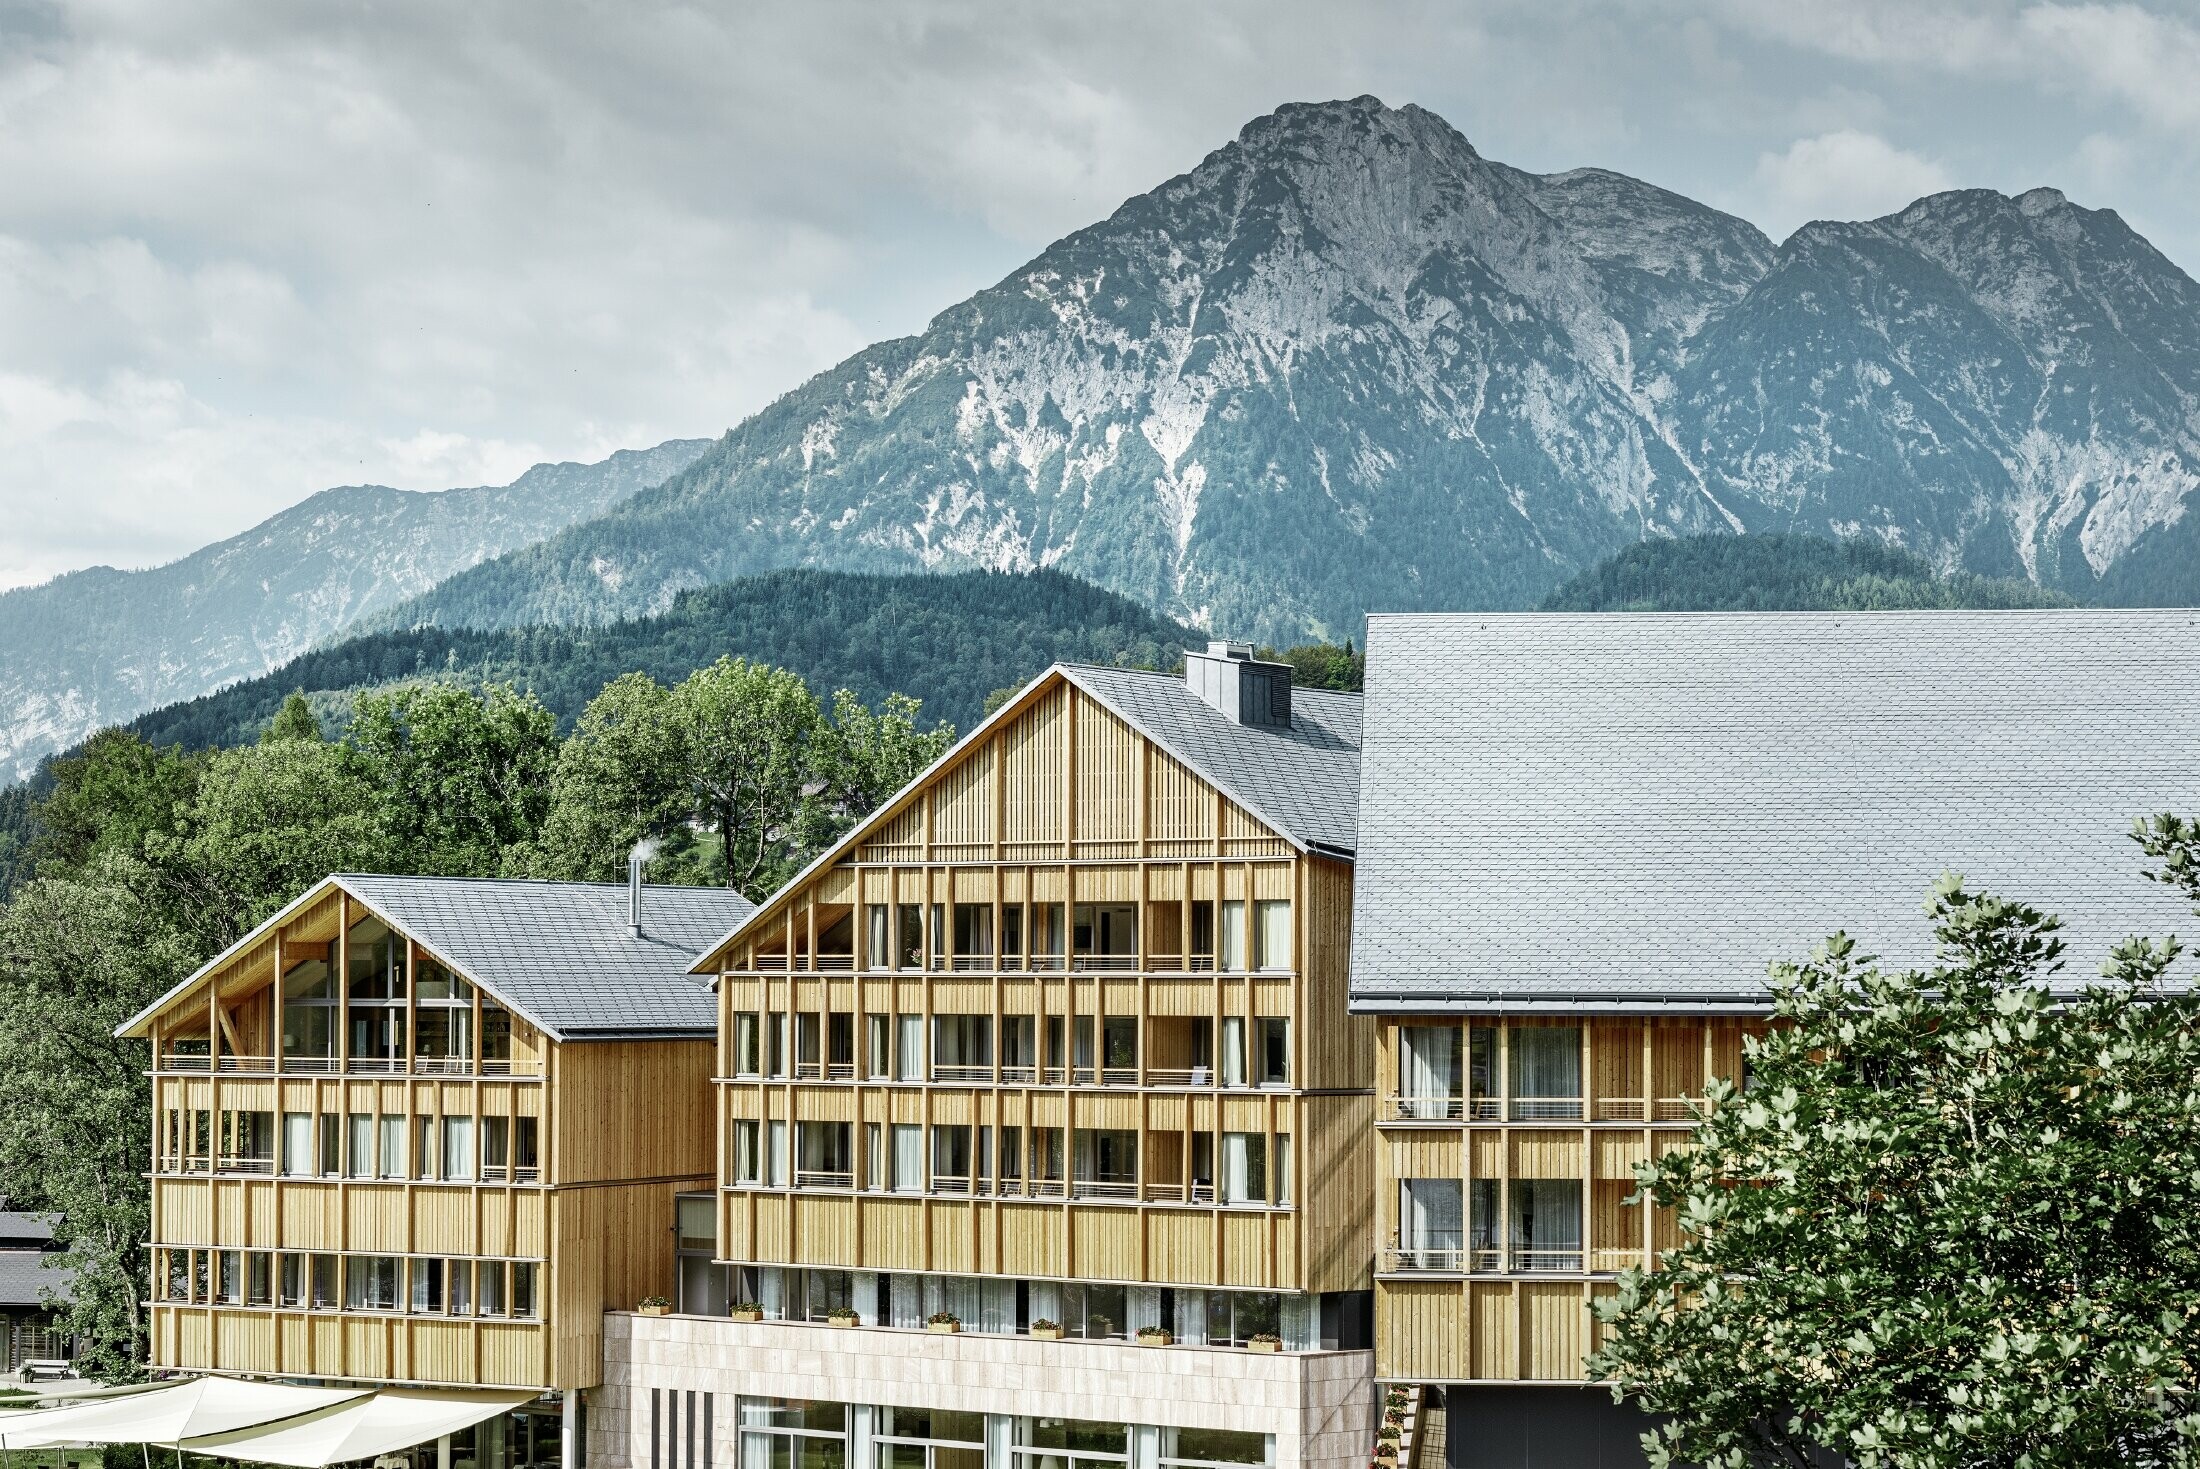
point(168, 1416)
point(393, 1418)
point(263, 1422)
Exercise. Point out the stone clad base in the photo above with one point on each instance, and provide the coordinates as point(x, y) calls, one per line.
point(671, 1385)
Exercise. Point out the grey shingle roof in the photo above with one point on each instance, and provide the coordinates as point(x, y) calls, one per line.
point(1303, 781)
point(561, 953)
point(1633, 811)
point(24, 1278)
point(25, 1231)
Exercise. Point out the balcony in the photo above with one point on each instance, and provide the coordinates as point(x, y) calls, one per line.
point(1495, 1109)
point(1440, 1257)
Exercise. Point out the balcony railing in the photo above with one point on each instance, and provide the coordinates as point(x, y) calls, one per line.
point(1424, 1109)
point(1104, 1188)
point(963, 1075)
point(1180, 1076)
point(1104, 963)
point(1531, 1262)
point(823, 1178)
point(824, 1071)
point(443, 1065)
point(1546, 1109)
point(1619, 1109)
point(251, 1165)
point(951, 1183)
point(973, 963)
point(1450, 1259)
point(1019, 1075)
point(1180, 1193)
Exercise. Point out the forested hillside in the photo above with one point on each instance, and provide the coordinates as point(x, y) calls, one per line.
point(946, 640)
point(1775, 573)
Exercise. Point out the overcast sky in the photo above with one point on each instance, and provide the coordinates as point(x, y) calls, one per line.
point(250, 251)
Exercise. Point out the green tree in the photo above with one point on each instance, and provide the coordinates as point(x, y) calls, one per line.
point(749, 729)
point(269, 820)
point(294, 721)
point(462, 775)
point(78, 956)
point(1951, 1223)
point(114, 795)
point(620, 776)
point(863, 757)
point(1324, 665)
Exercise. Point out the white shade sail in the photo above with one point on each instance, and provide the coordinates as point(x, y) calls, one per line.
point(170, 1415)
point(393, 1418)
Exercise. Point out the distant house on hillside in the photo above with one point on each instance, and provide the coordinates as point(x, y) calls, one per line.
point(27, 1329)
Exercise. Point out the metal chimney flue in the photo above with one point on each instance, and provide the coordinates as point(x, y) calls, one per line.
point(1240, 687)
point(644, 849)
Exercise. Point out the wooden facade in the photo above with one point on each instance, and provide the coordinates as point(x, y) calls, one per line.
point(455, 1218)
point(1483, 1291)
point(1034, 1018)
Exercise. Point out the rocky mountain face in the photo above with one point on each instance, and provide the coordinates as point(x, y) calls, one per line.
point(101, 646)
point(1348, 363)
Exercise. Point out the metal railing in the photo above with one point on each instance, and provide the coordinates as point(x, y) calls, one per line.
point(1180, 1193)
point(1546, 1109)
point(1424, 1109)
point(1530, 1262)
point(1104, 963)
point(262, 1166)
point(823, 1178)
point(1019, 1075)
point(443, 1065)
point(973, 963)
point(1180, 1076)
point(1443, 1258)
point(1620, 1109)
point(958, 1075)
point(1103, 1188)
point(824, 1071)
point(951, 1183)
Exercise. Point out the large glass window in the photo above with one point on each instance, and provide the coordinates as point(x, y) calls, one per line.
point(1431, 1223)
point(1064, 1443)
point(1429, 1072)
point(1271, 934)
point(1546, 1071)
point(962, 1048)
point(793, 1433)
point(1232, 955)
point(1546, 1224)
point(458, 1148)
point(908, 936)
point(1244, 1168)
point(375, 984)
point(908, 1160)
point(443, 1020)
point(309, 1015)
point(371, 1283)
point(824, 1155)
point(952, 1163)
point(973, 935)
point(1272, 1050)
point(909, 1048)
point(1106, 1162)
point(1198, 1448)
point(929, 1438)
point(298, 1155)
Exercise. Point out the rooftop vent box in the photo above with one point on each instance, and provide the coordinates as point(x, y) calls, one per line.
point(1240, 687)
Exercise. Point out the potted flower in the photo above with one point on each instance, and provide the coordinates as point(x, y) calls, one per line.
point(1045, 1330)
point(843, 1316)
point(1154, 1336)
point(1265, 1341)
point(1388, 1433)
point(747, 1311)
point(654, 1306)
point(1386, 1453)
point(946, 1323)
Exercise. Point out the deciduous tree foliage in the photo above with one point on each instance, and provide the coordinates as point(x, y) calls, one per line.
point(1952, 1222)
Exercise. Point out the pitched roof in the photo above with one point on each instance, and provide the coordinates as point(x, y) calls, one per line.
point(1641, 811)
point(24, 1278)
point(561, 954)
point(1303, 781)
point(19, 1230)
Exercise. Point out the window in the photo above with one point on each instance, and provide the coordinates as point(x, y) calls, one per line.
point(1271, 934)
point(326, 1269)
point(458, 1148)
point(298, 1159)
point(875, 1176)
point(1232, 955)
point(526, 1160)
point(1206, 1448)
point(775, 1043)
point(962, 1047)
point(1546, 1224)
point(332, 1145)
point(748, 1157)
point(370, 1283)
point(1059, 1443)
point(973, 934)
point(1012, 1156)
point(393, 1147)
point(1279, 1152)
point(1429, 1073)
point(1546, 1071)
point(1431, 1223)
point(878, 1046)
point(496, 1038)
point(1272, 1058)
point(247, 1142)
point(496, 1148)
point(908, 1161)
point(1012, 935)
point(1019, 1048)
point(952, 1163)
point(490, 1280)
point(929, 1438)
point(787, 1433)
point(1233, 1050)
point(1107, 1163)
point(823, 1155)
point(424, 1145)
point(1046, 1154)
point(1482, 1081)
point(908, 936)
point(459, 1275)
point(1047, 933)
point(1484, 1230)
point(909, 1048)
point(309, 1015)
point(229, 1278)
point(375, 985)
point(523, 1288)
point(427, 1286)
point(359, 1147)
point(937, 931)
point(1244, 1168)
point(1119, 1049)
point(775, 1142)
point(443, 1020)
point(747, 1059)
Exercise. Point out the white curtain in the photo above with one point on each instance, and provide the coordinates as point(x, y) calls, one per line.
point(1244, 1172)
point(458, 1148)
point(908, 1158)
point(907, 1301)
point(1428, 1066)
point(298, 1143)
point(1233, 1050)
point(1191, 1316)
point(1546, 1222)
point(1232, 956)
point(1046, 1301)
point(1430, 1216)
point(1142, 1308)
point(1273, 942)
point(997, 1307)
point(776, 1132)
point(1546, 1061)
point(909, 1048)
point(1300, 1322)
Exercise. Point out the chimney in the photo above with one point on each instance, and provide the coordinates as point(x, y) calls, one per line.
point(1240, 687)
point(644, 849)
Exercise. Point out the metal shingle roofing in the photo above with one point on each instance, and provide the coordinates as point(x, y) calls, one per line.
point(1303, 781)
point(1642, 811)
point(560, 952)
point(24, 1278)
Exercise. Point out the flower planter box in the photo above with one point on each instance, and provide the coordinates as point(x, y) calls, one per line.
point(944, 1328)
point(1046, 1333)
point(844, 1321)
point(653, 1310)
point(1155, 1339)
point(748, 1315)
point(1264, 1346)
